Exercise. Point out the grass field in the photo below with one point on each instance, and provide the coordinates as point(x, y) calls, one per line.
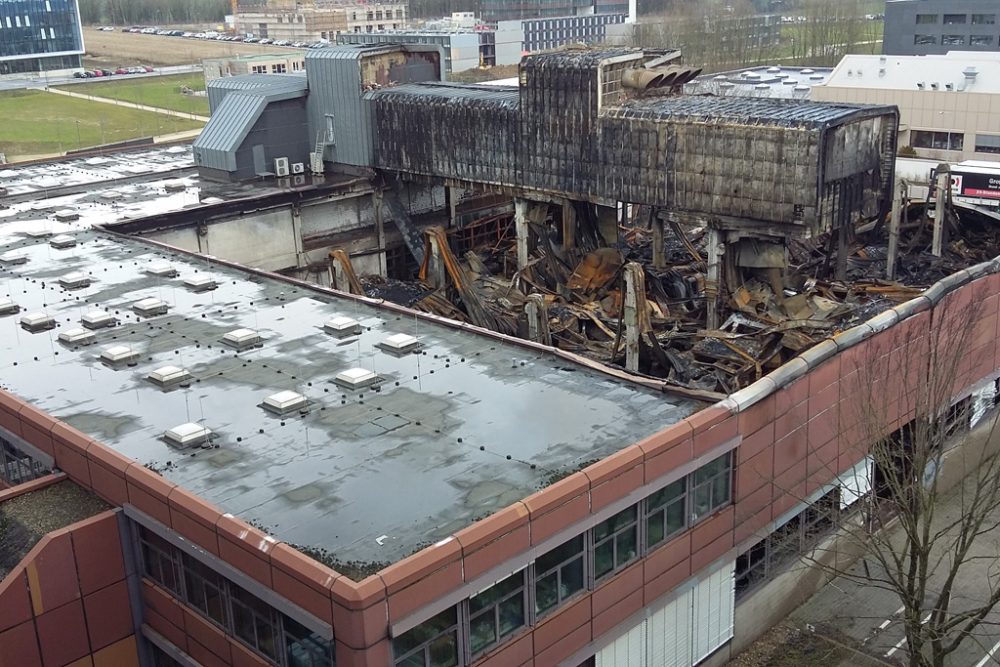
point(118, 49)
point(37, 123)
point(163, 92)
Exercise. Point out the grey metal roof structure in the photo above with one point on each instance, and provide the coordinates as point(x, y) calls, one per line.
point(460, 429)
point(237, 113)
point(745, 111)
point(219, 88)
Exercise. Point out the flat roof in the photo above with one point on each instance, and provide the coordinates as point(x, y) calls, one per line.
point(464, 427)
point(953, 72)
point(761, 81)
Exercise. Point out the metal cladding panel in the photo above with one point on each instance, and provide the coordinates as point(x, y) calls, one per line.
point(216, 146)
point(455, 131)
point(335, 88)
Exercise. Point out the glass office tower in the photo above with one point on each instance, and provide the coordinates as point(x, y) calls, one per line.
point(39, 36)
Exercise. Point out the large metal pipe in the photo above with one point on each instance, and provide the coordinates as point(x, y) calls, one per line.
point(641, 79)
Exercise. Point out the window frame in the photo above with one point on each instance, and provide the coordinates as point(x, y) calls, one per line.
point(983, 19)
point(493, 608)
point(423, 648)
point(558, 570)
point(982, 148)
point(650, 513)
point(612, 538)
point(695, 485)
point(954, 19)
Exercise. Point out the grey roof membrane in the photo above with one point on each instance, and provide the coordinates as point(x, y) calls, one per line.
point(457, 431)
point(744, 110)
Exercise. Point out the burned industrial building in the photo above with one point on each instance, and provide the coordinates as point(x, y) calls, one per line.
point(393, 371)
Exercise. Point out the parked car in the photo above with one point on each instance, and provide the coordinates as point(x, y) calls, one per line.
point(121, 70)
point(80, 75)
point(147, 68)
point(107, 72)
point(96, 73)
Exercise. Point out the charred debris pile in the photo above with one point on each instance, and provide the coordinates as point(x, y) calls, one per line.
point(578, 299)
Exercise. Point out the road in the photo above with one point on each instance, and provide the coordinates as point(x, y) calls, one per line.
point(870, 615)
point(44, 82)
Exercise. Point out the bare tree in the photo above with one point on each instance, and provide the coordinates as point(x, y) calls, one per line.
point(924, 531)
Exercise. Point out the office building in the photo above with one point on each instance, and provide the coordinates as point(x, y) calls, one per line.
point(923, 27)
point(40, 37)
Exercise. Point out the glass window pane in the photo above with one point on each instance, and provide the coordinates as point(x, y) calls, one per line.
point(675, 517)
point(547, 592)
point(511, 614)
point(604, 558)
point(482, 632)
point(655, 528)
point(444, 651)
point(571, 579)
point(559, 554)
point(627, 546)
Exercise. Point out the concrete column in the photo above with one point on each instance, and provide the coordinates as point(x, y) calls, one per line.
point(943, 187)
point(521, 231)
point(894, 221)
point(716, 249)
point(451, 201)
point(339, 275)
point(383, 267)
point(436, 274)
point(659, 261)
point(300, 255)
point(538, 319)
point(633, 315)
point(568, 224)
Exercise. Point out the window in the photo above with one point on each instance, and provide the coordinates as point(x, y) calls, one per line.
point(981, 40)
point(433, 643)
point(161, 561)
point(954, 19)
point(766, 559)
point(924, 39)
point(281, 639)
point(205, 590)
point(711, 487)
point(278, 68)
point(559, 575)
point(615, 542)
point(496, 612)
point(945, 141)
point(952, 40)
point(987, 143)
point(16, 467)
point(258, 69)
point(984, 19)
point(665, 514)
point(254, 622)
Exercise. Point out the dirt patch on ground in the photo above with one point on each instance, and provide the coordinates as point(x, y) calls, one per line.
point(787, 646)
point(121, 49)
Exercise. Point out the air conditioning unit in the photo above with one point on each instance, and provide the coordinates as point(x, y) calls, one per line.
point(298, 168)
point(316, 163)
point(281, 166)
point(299, 180)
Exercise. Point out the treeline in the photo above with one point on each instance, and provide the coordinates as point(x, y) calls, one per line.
point(153, 12)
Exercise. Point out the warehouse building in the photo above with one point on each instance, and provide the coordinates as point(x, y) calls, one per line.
point(928, 27)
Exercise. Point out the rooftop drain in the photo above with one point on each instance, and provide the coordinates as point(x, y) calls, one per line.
point(242, 339)
point(13, 258)
point(77, 336)
point(188, 435)
point(120, 354)
point(342, 326)
point(168, 376)
point(400, 343)
point(284, 402)
point(160, 270)
point(98, 319)
point(62, 241)
point(66, 215)
point(356, 378)
point(200, 284)
point(37, 322)
point(150, 307)
point(8, 307)
point(74, 280)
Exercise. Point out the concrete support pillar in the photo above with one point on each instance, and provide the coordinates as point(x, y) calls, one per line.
point(568, 224)
point(437, 273)
point(894, 222)
point(538, 319)
point(716, 249)
point(300, 256)
point(635, 312)
point(521, 231)
point(451, 202)
point(943, 188)
point(383, 265)
point(659, 261)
